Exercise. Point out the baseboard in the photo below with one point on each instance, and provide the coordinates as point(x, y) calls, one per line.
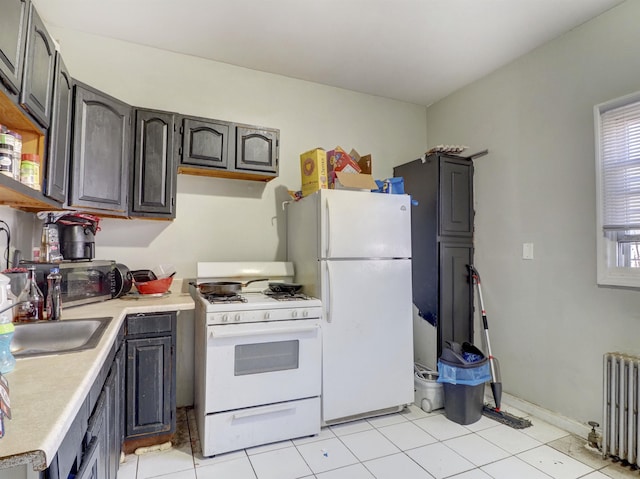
point(553, 418)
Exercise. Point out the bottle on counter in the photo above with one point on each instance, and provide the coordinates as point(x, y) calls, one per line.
point(7, 361)
point(34, 311)
point(54, 302)
point(50, 242)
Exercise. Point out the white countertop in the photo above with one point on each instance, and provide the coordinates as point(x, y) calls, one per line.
point(47, 391)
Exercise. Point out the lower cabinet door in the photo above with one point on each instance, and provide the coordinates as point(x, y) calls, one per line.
point(89, 466)
point(455, 322)
point(233, 430)
point(149, 380)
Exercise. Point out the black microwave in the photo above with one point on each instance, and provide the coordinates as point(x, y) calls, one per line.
point(83, 282)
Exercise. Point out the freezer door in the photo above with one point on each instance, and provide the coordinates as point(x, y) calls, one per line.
point(357, 224)
point(367, 337)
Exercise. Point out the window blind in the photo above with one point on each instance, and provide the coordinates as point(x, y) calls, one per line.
point(620, 156)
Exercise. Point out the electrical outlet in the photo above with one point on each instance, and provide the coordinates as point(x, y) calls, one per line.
point(527, 250)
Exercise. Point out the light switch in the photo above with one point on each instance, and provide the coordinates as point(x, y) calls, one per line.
point(527, 250)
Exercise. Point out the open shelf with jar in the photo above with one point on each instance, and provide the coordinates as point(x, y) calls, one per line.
point(12, 192)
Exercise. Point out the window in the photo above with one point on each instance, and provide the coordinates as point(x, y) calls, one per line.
point(617, 128)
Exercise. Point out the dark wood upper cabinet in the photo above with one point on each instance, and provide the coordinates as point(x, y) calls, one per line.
point(204, 143)
point(39, 65)
point(257, 149)
point(59, 151)
point(101, 151)
point(13, 35)
point(154, 171)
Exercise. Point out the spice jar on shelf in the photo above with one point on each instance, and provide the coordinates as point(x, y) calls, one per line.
point(30, 170)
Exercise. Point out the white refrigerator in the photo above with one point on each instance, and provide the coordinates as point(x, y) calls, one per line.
point(352, 250)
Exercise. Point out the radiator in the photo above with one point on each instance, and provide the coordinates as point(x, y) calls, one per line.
point(620, 415)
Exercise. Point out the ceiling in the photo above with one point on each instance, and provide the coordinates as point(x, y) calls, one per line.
point(417, 51)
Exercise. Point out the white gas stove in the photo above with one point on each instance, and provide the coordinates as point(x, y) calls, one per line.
point(258, 359)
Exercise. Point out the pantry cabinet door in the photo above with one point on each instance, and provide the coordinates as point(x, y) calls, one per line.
point(13, 35)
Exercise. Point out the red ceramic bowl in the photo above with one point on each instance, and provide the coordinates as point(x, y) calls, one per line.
point(154, 287)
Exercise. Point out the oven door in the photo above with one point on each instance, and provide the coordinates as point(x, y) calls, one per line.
point(261, 363)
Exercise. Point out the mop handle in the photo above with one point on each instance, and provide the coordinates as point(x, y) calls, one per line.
point(476, 279)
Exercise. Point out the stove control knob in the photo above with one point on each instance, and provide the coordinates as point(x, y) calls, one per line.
point(267, 315)
point(225, 318)
point(305, 313)
point(237, 317)
point(294, 314)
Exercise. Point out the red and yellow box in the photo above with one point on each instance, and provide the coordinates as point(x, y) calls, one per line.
point(313, 171)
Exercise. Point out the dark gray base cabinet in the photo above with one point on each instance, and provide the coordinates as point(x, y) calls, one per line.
point(151, 374)
point(154, 171)
point(91, 447)
point(442, 243)
point(101, 152)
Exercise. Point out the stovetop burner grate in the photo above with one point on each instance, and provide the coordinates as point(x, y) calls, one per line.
point(284, 296)
point(218, 299)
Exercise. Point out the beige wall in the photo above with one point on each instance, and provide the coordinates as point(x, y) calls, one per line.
point(226, 220)
point(549, 322)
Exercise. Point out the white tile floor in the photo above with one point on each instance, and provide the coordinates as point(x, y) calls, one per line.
point(408, 445)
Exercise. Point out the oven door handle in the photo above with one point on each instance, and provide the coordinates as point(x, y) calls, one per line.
point(227, 331)
point(263, 411)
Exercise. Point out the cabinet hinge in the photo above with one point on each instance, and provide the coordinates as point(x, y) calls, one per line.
point(182, 130)
point(180, 151)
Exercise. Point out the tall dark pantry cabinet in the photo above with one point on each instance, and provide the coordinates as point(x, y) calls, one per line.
point(442, 242)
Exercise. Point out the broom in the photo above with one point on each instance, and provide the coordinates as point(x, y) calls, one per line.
point(496, 382)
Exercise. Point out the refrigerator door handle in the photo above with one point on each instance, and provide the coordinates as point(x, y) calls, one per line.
point(327, 302)
point(328, 230)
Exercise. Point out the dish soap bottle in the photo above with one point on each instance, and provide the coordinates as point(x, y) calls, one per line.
point(7, 361)
point(53, 303)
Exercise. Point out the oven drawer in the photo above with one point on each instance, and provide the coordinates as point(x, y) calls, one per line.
point(233, 430)
point(262, 363)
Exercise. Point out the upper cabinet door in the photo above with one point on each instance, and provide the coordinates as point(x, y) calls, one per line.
point(154, 171)
point(57, 165)
point(39, 64)
point(456, 197)
point(13, 35)
point(101, 151)
point(204, 143)
point(257, 149)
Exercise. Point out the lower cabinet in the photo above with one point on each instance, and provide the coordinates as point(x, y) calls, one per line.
point(91, 447)
point(151, 375)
